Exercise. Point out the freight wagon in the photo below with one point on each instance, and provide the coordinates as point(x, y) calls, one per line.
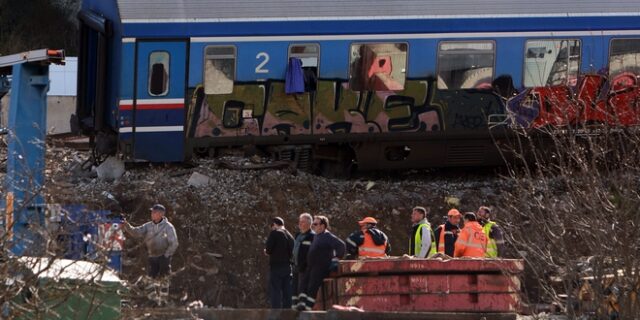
point(343, 83)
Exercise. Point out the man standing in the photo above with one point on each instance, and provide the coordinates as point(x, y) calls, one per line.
point(368, 241)
point(446, 234)
point(160, 239)
point(421, 240)
point(471, 242)
point(325, 250)
point(301, 246)
point(279, 247)
point(492, 230)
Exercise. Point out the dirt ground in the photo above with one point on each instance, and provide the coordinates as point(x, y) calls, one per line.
point(222, 226)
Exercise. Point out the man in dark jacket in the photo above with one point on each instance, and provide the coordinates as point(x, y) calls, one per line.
point(495, 246)
point(446, 234)
point(325, 250)
point(369, 241)
point(279, 247)
point(301, 246)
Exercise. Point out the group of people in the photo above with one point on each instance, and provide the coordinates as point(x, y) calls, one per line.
point(478, 237)
point(299, 264)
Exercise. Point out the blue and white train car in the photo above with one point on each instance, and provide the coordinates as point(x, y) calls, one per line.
point(382, 84)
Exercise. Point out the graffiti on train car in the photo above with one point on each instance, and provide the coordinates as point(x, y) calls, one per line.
point(265, 109)
point(596, 100)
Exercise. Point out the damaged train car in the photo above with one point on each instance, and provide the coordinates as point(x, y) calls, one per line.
point(337, 84)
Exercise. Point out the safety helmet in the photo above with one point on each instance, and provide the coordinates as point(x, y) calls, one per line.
point(366, 220)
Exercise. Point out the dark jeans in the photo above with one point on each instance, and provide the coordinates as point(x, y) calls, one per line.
point(159, 266)
point(280, 286)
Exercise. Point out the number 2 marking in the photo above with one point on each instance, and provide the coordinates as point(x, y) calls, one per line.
point(260, 67)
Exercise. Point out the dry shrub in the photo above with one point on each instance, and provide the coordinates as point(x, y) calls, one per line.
point(574, 216)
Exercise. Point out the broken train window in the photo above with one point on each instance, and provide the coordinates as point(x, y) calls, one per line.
point(624, 63)
point(465, 65)
point(551, 62)
point(219, 69)
point(159, 73)
point(378, 66)
point(302, 70)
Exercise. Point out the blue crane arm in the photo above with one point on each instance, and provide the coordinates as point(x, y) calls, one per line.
point(22, 204)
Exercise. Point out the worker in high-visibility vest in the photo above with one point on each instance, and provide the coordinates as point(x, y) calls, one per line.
point(422, 242)
point(492, 230)
point(369, 241)
point(472, 241)
point(446, 234)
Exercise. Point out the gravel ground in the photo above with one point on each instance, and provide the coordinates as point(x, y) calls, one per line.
point(222, 225)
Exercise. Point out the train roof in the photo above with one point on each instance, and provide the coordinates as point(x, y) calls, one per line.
point(140, 11)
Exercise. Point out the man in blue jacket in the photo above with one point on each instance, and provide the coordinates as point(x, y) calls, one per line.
point(325, 250)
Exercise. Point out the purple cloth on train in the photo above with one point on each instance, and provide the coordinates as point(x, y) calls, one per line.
point(294, 81)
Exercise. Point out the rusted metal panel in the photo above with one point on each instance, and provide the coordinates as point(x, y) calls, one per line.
point(437, 283)
point(342, 315)
point(328, 295)
point(455, 302)
point(427, 266)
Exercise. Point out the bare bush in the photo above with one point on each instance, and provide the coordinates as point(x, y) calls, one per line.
point(573, 216)
point(38, 283)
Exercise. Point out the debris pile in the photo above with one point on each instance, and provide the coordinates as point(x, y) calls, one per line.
point(222, 215)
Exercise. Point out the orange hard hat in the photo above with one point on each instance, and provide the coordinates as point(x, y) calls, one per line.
point(368, 220)
point(453, 213)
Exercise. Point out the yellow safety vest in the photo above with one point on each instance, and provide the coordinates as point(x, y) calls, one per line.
point(492, 247)
point(417, 240)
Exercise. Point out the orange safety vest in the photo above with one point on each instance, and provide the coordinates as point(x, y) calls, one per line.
point(441, 242)
point(370, 249)
point(472, 242)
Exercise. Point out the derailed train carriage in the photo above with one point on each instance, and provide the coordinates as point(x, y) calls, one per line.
point(329, 84)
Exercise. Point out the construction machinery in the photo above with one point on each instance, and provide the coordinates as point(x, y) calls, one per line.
point(26, 227)
point(23, 205)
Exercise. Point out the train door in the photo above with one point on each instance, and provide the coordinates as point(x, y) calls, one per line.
point(159, 101)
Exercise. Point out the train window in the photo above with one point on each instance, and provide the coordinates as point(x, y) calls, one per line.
point(624, 63)
point(378, 66)
point(465, 65)
point(219, 69)
point(551, 62)
point(307, 58)
point(159, 73)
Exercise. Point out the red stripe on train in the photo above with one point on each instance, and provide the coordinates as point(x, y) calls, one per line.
point(167, 106)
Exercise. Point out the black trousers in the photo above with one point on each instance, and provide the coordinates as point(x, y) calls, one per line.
point(311, 283)
point(159, 266)
point(280, 286)
point(297, 285)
